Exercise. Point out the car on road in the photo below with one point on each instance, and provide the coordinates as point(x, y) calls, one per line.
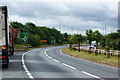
point(92, 47)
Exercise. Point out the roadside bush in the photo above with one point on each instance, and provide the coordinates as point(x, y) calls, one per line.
point(34, 40)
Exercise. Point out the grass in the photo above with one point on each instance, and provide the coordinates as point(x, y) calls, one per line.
point(112, 61)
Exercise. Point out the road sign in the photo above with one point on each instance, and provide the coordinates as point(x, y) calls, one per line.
point(16, 33)
point(23, 37)
point(52, 40)
point(43, 40)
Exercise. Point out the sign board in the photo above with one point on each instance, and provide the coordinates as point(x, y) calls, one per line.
point(16, 33)
point(23, 38)
point(43, 40)
point(52, 40)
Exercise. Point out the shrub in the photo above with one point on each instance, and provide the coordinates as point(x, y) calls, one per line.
point(34, 40)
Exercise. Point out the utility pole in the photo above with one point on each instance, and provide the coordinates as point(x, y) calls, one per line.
point(105, 29)
point(77, 30)
point(72, 31)
point(111, 30)
point(65, 29)
point(59, 26)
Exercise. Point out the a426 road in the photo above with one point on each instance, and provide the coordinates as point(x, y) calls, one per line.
point(51, 63)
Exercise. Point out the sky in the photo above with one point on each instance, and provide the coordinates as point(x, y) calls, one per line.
point(71, 16)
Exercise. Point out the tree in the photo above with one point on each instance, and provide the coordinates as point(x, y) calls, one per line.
point(71, 40)
point(107, 48)
point(97, 38)
point(65, 35)
point(31, 27)
point(78, 39)
point(89, 34)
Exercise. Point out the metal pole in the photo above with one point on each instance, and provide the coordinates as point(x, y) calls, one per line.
point(105, 29)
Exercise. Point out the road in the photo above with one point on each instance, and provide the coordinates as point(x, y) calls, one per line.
point(50, 63)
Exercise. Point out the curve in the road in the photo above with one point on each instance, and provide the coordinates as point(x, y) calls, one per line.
point(94, 76)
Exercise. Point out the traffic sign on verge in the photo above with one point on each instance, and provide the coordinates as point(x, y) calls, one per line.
point(23, 37)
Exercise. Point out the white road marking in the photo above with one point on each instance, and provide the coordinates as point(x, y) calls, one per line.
point(68, 66)
point(25, 67)
point(64, 54)
point(56, 60)
point(90, 74)
point(50, 57)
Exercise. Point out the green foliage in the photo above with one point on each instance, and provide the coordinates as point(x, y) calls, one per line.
point(107, 43)
point(78, 38)
point(65, 36)
point(103, 42)
point(34, 40)
point(38, 32)
point(97, 36)
point(114, 39)
point(90, 36)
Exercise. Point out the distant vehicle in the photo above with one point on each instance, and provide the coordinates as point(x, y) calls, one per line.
point(6, 37)
point(92, 47)
point(94, 43)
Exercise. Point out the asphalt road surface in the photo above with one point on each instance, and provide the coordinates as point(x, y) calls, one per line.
point(51, 63)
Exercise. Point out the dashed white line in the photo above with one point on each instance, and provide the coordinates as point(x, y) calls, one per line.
point(68, 66)
point(50, 57)
point(56, 60)
point(71, 66)
point(90, 74)
point(25, 67)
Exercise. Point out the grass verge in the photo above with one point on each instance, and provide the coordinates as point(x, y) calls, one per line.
point(112, 61)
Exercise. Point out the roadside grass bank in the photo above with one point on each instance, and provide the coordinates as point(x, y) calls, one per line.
point(112, 61)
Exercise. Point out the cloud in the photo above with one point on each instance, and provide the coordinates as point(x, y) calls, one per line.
point(77, 15)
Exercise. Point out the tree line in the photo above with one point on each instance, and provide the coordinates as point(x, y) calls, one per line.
point(108, 42)
point(37, 33)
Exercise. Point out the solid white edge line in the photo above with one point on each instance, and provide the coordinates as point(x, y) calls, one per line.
point(68, 66)
point(25, 68)
point(90, 74)
point(89, 61)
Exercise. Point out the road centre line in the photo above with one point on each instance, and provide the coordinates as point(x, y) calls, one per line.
point(68, 66)
point(58, 61)
point(90, 74)
point(30, 75)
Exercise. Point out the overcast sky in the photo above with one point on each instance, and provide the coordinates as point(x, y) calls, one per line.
point(70, 15)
